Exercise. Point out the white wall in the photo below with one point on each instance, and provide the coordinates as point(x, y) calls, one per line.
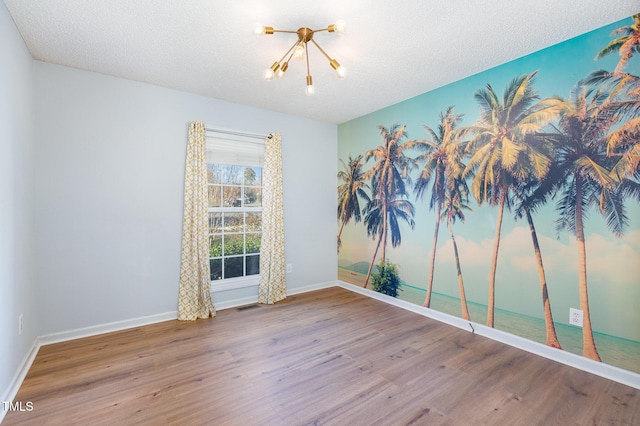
point(17, 290)
point(110, 171)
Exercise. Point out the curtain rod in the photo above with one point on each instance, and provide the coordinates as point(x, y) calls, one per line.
point(229, 132)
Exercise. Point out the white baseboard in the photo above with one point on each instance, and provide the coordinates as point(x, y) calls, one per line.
point(18, 378)
point(94, 330)
point(607, 371)
point(311, 287)
point(229, 304)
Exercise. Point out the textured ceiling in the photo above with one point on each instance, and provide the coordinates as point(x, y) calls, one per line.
point(393, 50)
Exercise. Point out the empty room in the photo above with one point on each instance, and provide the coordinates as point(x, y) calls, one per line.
point(335, 213)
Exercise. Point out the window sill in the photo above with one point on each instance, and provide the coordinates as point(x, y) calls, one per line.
point(235, 283)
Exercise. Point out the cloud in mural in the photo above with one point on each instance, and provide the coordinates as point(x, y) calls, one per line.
point(606, 256)
point(471, 253)
point(614, 261)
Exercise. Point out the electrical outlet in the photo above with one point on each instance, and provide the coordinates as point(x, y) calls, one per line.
point(20, 324)
point(576, 317)
point(289, 268)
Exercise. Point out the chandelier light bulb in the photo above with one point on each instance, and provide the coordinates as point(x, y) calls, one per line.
point(339, 27)
point(282, 70)
point(268, 73)
point(340, 70)
point(260, 29)
point(310, 90)
point(298, 53)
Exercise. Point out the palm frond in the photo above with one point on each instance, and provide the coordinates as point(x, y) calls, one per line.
point(595, 171)
point(613, 209)
point(612, 47)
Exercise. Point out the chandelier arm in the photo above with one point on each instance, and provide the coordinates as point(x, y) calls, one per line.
point(306, 51)
point(284, 31)
point(293, 52)
point(288, 51)
point(320, 48)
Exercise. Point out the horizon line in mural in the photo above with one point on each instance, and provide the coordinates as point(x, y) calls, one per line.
point(523, 152)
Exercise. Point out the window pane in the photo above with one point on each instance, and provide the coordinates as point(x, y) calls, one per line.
point(254, 222)
point(253, 265)
point(233, 222)
point(215, 196)
point(216, 269)
point(231, 196)
point(215, 245)
point(253, 197)
point(233, 244)
point(232, 175)
point(253, 243)
point(214, 173)
point(234, 232)
point(215, 223)
point(233, 267)
point(253, 176)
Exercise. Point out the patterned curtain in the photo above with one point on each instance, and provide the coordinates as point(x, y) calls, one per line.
point(273, 285)
point(194, 300)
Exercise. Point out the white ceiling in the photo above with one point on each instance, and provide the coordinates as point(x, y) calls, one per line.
point(393, 49)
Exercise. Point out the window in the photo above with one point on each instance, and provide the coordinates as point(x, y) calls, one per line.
point(235, 220)
point(235, 208)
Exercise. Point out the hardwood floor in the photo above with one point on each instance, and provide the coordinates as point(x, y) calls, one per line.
point(327, 357)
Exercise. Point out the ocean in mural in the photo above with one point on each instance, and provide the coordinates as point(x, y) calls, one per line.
point(502, 158)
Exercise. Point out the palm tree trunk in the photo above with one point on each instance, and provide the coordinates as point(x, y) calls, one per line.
point(494, 260)
point(552, 338)
point(463, 297)
point(384, 230)
point(588, 344)
point(427, 300)
point(372, 262)
point(339, 234)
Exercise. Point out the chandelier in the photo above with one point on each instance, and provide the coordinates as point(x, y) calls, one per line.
point(300, 50)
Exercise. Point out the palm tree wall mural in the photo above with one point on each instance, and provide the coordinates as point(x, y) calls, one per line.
point(551, 137)
point(443, 165)
point(350, 192)
point(530, 196)
point(626, 45)
point(455, 202)
point(500, 158)
point(587, 180)
point(388, 176)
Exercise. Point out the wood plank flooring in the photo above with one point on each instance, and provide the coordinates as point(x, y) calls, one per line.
point(329, 357)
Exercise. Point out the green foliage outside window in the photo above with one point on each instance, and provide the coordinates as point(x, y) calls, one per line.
point(235, 246)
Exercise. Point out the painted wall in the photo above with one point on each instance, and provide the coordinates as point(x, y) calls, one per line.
point(613, 264)
point(17, 285)
point(110, 172)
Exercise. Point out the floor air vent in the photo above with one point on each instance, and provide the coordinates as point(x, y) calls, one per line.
point(244, 308)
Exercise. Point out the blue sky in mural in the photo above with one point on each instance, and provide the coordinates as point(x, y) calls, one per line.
point(613, 263)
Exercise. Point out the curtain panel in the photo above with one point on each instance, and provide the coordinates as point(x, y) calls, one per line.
point(195, 300)
point(272, 286)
